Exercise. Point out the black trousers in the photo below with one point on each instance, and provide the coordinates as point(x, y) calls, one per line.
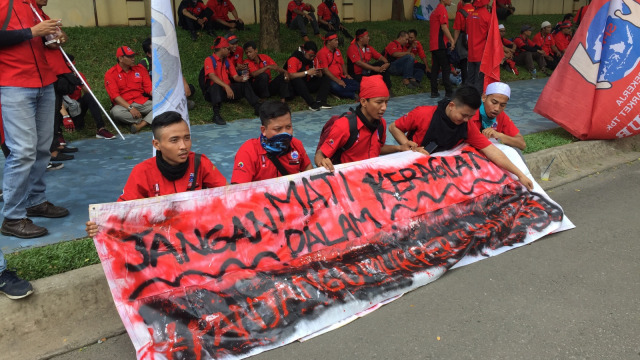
point(265, 88)
point(440, 62)
point(240, 90)
point(303, 88)
point(87, 103)
point(386, 76)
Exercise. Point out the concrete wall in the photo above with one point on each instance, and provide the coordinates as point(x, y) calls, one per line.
point(119, 12)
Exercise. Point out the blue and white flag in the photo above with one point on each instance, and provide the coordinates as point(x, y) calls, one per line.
point(168, 87)
point(422, 9)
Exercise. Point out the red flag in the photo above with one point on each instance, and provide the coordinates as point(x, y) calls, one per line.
point(594, 93)
point(493, 52)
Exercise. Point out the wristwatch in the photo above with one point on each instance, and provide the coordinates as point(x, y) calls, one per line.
point(306, 72)
point(130, 107)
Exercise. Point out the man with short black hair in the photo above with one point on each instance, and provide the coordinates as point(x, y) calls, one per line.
point(219, 15)
point(193, 16)
point(298, 15)
point(330, 60)
point(328, 18)
point(402, 60)
point(275, 152)
point(129, 87)
point(305, 79)
point(416, 48)
point(260, 67)
point(359, 56)
point(460, 35)
point(446, 125)
point(527, 51)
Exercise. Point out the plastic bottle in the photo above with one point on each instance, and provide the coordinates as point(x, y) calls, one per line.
point(534, 74)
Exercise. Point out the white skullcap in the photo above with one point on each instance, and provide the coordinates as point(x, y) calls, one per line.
point(501, 27)
point(498, 88)
point(545, 24)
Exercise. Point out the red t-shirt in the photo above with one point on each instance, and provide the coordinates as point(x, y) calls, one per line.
point(77, 93)
point(221, 9)
point(295, 65)
point(522, 41)
point(252, 164)
point(355, 53)
point(366, 147)
point(292, 6)
point(393, 47)
point(545, 42)
point(324, 12)
point(417, 50)
point(419, 119)
point(477, 31)
point(263, 60)
point(197, 9)
point(146, 180)
point(220, 69)
point(503, 124)
point(333, 61)
point(130, 85)
point(438, 17)
point(460, 22)
point(236, 57)
point(562, 41)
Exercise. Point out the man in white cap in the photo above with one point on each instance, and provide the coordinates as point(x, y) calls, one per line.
point(491, 119)
point(545, 40)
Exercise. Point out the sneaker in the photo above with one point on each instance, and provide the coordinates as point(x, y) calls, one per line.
point(411, 86)
point(1, 195)
point(324, 105)
point(217, 119)
point(68, 149)
point(62, 157)
point(315, 107)
point(105, 134)
point(22, 228)
point(48, 210)
point(54, 166)
point(14, 287)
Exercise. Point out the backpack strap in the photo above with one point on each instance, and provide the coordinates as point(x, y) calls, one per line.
point(353, 135)
point(464, 13)
point(8, 18)
point(196, 167)
point(274, 159)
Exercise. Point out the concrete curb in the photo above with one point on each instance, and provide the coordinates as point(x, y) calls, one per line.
point(75, 309)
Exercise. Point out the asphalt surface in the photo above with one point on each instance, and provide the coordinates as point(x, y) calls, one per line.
point(571, 295)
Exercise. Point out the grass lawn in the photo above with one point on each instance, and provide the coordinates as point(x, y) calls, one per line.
point(94, 50)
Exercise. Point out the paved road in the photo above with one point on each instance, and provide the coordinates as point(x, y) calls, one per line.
point(572, 295)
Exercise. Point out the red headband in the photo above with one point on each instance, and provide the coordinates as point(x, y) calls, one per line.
point(222, 44)
point(361, 35)
point(372, 87)
point(312, 52)
point(331, 37)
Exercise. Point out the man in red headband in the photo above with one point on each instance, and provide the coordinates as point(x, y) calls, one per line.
point(218, 72)
point(305, 79)
point(330, 60)
point(563, 37)
point(372, 129)
point(444, 126)
point(477, 27)
point(359, 55)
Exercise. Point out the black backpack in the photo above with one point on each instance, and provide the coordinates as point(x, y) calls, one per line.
point(202, 81)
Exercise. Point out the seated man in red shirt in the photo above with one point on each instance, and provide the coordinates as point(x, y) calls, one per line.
point(527, 51)
point(129, 87)
point(218, 72)
point(264, 82)
point(505, 8)
point(328, 18)
point(330, 60)
point(193, 16)
point(491, 119)
point(173, 169)
point(372, 129)
point(563, 37)
point(545, 40)
point(415, 47)
point(275, 153)
point(298, 15)
point(509, 48)
point(305, 79)
point(402, 60)
point(359, 56)
point(444, 126)
point(219, 15)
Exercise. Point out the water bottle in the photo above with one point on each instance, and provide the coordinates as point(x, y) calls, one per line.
point(534, 74)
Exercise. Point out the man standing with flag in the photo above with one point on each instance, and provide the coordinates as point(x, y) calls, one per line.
point(440, 40)
point(477, 28)
point(493, 52)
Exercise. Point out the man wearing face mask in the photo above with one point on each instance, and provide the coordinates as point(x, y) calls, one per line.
point(444, 126)
point(371, 127)
point(275, 153)
point(173, 169)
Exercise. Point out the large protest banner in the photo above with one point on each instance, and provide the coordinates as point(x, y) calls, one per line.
point(594, 92)
point(234, 271)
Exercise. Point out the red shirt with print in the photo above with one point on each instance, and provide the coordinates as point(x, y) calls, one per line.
point(438, 17)
point(333, 61)
point(419, 119)
point(293, 6)
point(366, 147)
point(221, 8)
point(562, 41)
point(197, 9)
point(236, 57)
point(394, 47)
point(147, 181)
point(460, 22)
point(477, 31)
point(355, 53)
point(263, 60)
point(252, 164)
point(130, 85)
point(545, 42)
point(324, 12)
point(417, 50)
point(221, 70)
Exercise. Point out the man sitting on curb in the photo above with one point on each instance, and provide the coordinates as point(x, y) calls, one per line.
point(275, 153)
point(493, 122)
point(372, 129)
point(444, 126)
point(173, 169)
point(129, 87)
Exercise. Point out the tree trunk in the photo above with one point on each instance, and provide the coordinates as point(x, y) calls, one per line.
point(269, 25)
point(397, 10)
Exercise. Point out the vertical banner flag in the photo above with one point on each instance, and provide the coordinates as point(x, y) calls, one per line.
point(229, 272)
point(422, 9)
point(493, 52)
point(168, 87)
point(594, 92)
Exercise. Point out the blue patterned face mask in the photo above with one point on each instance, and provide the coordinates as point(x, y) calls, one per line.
point(278, 144)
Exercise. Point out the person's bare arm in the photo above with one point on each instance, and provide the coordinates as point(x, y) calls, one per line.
point(499, 158)
point(323, 161)
point(515, 141)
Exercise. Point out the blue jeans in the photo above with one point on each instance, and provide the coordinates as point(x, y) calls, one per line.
point(402, 67)
point(27, 115)
point(3, 264)
point(348, 92)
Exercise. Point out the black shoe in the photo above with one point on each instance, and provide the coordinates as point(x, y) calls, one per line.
point(217, 119)
point(14, 287)
point(133, 128)
point(22, 228)
point(54, 166)
point(324, 105)
point(256, 109)
point(448, 95)
point(211, 33)
point(194, 36)
point(314, 107)
point(62, 157)
point(68, 149)
point(435, 95)
point(47, 209)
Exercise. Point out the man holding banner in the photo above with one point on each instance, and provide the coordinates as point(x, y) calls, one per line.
point(446, 125)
